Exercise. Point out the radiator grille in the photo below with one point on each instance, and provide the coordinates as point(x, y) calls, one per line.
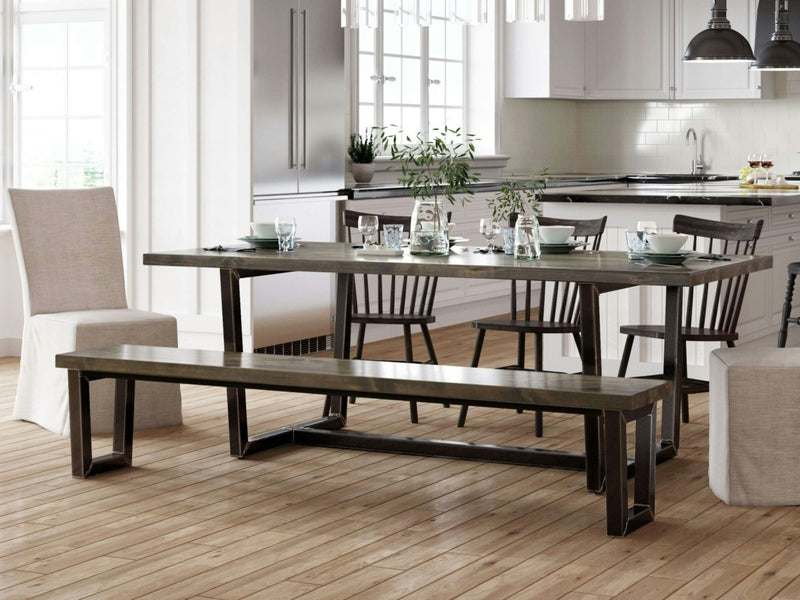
point(300, 347)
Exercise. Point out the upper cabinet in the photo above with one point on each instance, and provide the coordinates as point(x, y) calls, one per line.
point(628, 54)
point(545, 60)
point(635, 53)
point(699, 80)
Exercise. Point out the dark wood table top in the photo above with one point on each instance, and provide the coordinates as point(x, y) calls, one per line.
point(586, 267)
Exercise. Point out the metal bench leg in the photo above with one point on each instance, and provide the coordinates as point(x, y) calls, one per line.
point(83, 465)
point(620, 518)
point(123, 418)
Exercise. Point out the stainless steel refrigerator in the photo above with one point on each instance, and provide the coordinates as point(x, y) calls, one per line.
point(299, 142)
point(298, 97)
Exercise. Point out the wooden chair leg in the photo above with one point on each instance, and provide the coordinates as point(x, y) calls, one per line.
point(538, 419)
point(412, 405)
point(476, 357)
point(626, 355)
point(787, 309)
point(684, 395)
point(426, 335)
point(362, 328)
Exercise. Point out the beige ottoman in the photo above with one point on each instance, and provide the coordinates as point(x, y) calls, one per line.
point(754, 426)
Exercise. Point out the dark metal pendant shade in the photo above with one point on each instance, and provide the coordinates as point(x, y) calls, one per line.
point(781, 53)
point(719, 41)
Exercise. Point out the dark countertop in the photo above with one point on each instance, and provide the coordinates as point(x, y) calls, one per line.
point(618, 189)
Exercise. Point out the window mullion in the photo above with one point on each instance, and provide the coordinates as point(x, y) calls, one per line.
point(378, 66)
point(424, 83)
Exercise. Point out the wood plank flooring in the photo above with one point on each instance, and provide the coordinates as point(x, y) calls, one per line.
point(191, 522)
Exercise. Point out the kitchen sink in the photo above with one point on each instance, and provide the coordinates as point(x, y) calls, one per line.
point(677, 178)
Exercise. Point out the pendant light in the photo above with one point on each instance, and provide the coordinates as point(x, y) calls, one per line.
point(468, 12)
point(359, 13)
point(413, 12)
point(781, 53)
point(584, 10)
point(525, 11)
point(719, 41)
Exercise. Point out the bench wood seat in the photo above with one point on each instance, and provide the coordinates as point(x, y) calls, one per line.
point(618, 400)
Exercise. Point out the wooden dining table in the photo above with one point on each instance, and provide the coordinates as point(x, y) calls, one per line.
point(596, 272)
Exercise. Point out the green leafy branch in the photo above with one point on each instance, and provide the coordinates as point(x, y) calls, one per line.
point(439, 166)
point(519, 196)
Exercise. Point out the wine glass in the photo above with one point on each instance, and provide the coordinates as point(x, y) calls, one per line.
point(489, 230)
point(285, 228)
point(767, 162)
point(368, 226)
point(754, 160)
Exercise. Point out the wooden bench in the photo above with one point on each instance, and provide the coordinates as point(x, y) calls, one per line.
point(618, 401)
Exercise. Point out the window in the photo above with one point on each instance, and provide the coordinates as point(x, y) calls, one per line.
point(62, 93)
point(411, 77)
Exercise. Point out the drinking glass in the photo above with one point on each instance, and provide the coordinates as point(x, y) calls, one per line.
point(393, 235)
point(368, 226)
point(635, 241)
point(489, 230)
point(754, 160)
point(285, 228)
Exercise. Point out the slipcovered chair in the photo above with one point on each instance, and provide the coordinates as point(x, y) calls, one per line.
point(753, 418)
point(73, 287)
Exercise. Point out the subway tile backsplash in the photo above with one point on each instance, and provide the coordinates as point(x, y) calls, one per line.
point(605, 136)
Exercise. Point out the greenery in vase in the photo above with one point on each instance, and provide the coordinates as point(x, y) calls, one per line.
point(434, 167)
point(519, 196)
point(362, 149)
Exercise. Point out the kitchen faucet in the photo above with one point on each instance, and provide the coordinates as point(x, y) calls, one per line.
point(697, 166)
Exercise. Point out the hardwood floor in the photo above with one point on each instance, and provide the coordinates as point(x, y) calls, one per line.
point(189, 521)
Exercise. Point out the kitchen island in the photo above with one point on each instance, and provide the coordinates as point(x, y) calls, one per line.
point(625, 203)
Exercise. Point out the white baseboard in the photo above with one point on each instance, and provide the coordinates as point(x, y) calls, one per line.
point(10, 346)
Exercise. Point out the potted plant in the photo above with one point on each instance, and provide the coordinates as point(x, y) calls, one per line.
point(362, 151)
point(519, 203)
point(433, 169)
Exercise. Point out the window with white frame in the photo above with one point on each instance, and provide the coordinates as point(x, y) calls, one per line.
point(411, 77)
point(62, 93)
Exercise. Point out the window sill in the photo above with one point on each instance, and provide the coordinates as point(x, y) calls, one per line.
point(387, 170)
point(492, 161)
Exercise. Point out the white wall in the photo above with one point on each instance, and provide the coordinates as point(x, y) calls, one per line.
point(633, 136)
point(191, 167)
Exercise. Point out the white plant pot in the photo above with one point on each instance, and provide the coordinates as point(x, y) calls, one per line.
point(362, 172)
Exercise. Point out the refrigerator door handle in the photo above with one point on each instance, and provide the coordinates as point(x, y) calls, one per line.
point(292, 92)
point(305, 87)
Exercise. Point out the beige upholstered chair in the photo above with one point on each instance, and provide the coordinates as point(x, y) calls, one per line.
point(753, 416)
point(73, 286)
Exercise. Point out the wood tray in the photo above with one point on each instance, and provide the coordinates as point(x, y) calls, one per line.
point(786, 186)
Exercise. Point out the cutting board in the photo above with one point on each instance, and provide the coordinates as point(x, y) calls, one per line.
point(785, 186)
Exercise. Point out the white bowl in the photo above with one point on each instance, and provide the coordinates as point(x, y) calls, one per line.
point(666, 243)
point(264, 230)
point(555, 234)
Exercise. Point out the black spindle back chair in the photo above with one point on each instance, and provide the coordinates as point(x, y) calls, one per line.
point(711, 309)
point(558, 308)
point(391, 299)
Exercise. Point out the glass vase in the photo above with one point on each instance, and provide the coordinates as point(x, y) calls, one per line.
point(429, 235)
point(526, 238)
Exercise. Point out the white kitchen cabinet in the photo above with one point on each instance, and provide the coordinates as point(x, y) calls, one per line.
point(545, 60)
point(634, 54)
point(628, 54)
point(699, 80)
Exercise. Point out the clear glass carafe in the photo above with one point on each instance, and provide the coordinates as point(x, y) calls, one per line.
point(526, 238)
point(429, 235)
